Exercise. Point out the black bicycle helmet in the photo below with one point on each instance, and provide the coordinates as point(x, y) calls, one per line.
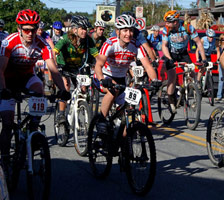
point(80, 21)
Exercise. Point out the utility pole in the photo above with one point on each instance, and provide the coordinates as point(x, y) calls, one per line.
point(118, 6)
point(172, 4)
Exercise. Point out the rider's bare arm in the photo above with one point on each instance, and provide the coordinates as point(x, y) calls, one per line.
point(148, 68)
point(165, 49)
point(197, 51)
point(55, 74)
point(200, 47)
point(100, 61)
point(149, 51)
point(3, 64)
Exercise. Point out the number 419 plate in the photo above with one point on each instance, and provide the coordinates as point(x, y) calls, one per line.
point(37, 106)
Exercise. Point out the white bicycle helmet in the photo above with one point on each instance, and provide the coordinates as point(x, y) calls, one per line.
point(155, 28)
point(124, 21)
point(100, 23)
point(210, 33)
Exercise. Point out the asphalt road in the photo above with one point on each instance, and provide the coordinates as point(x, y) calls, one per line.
point(184, 170)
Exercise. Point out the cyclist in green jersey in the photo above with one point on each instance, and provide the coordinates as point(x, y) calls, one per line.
point(72, 51)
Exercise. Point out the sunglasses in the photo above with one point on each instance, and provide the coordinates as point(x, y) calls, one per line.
point(27, 31)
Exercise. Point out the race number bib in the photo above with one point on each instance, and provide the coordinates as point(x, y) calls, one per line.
point(37, 106)
point(132, 95)
point(138, 71)
point(84, 80)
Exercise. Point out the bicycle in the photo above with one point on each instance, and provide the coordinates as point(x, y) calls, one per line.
point(136, 151)
point(29, 148)
point(78, 115)
point(215, 137)
point(140, 81)
point(207, 86)
point(187, 95)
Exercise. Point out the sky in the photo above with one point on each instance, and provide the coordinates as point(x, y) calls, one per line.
point(89, 5)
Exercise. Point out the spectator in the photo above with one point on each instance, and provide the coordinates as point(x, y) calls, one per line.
point(219, 50)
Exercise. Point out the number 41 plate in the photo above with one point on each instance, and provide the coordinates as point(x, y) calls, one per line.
point(132, 95)
point(37, 106)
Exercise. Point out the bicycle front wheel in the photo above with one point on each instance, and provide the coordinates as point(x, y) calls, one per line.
point(81, 131)
point(94, 100)
point(215, 137)
point(192, 106)
point(165, 113)
point(140, 158)
point(39, 181)
point(61, 130)
point(99, 158)
point(210, 89)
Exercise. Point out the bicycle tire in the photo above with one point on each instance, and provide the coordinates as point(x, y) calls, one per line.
point(61, 130)
point(165, 113)
point(39, 189)
point(215, 147)
point(94, 100)
point(80, 136)
point(97, 149)
point(192, 106)
point(210, 89)
point(140, 160)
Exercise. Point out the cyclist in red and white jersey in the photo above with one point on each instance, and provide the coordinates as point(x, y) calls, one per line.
point(115, 57)
point(18, 55)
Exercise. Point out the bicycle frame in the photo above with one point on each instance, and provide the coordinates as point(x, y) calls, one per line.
point(208, 71)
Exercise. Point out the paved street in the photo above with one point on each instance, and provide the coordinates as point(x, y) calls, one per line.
point(184, 170)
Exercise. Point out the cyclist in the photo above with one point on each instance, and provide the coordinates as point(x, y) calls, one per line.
point(97, 34)
point(115, 57)
point(174, 46)
point(18, 55)
point(46, 36)
point(57, 33)
point(72, 51)
point(156, 39)
point(140, 40)
point(3, 34)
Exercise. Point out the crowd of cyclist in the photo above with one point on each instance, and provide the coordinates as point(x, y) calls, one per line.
point(111, 57)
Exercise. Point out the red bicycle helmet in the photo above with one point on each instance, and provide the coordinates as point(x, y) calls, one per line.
point(28, 17)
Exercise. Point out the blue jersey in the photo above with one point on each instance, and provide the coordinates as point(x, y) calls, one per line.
point(178, 40)
point(140, 39)
point(156, 42)
point(208, 46)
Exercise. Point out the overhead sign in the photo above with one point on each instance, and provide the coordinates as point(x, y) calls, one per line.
point(139, 12)
point(106, 14)
point(141, 23)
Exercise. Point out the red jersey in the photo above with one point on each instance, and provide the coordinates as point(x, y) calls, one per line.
point(22, 59)
point(118, 58)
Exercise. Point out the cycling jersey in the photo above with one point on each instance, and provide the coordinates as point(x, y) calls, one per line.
point(208, 46)
point(156, 42)
point(3, 35)
point(71, 57)
point(22, 59)
point(178, 40)
point(99, 42)
point(118, 58)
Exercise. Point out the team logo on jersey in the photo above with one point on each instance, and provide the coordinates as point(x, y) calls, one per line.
point(5, 43)
point(109, 42)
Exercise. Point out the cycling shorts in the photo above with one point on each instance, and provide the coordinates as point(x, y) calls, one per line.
point(122, 81)
point(15, 85)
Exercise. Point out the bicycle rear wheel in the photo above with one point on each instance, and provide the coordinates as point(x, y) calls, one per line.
point(100, 160)
point(192, 106)
point(81, 132)
point(215, 137)
point(140, 158)
point(39, 182)
point(61, 130)
point(165, 113)
point(210, 89)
